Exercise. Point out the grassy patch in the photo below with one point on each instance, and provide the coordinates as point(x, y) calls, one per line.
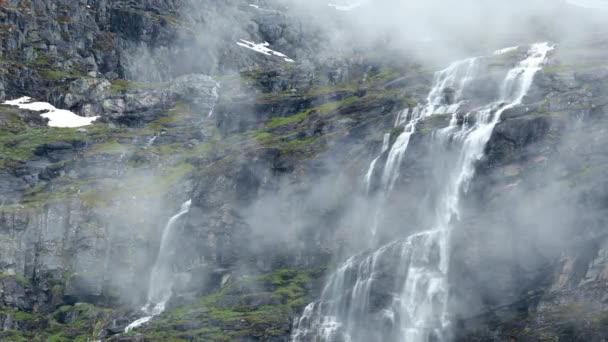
point(258, 305)
point(119, 86)
point(10, 121)
point(82, 328)
point(263, 136)
point(43, 64)
point(20, 146)
point(50, 74)
point(290, 120)
point(332, 106)
point(298, 144)
point(22, 280)
point(17, 315)
point(396, 132)
point(330, 89)
point(97, 197)
point(382, 76)
point(41, 194)
point(286, 141)
point(177, 172)
point(109, 147)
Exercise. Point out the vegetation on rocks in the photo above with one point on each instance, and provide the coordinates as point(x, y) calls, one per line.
point(253, 306)
point(80, 322)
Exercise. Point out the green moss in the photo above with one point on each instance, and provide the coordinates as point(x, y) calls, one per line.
point(15, 336)
point(12, 123)
point(332, 106)
point(40, 199)
point(290, 120)
point(20, 146)
point(289, 276)
point(109, 147)
point(331, 89)
point(97, 197)
point(175, 173)
point(17, 315)
point(395, 133)
point(298, 144)
point(57, 291)
point(282, 122)
point(49, 74)
point(410, 102)
point(58, 338)
point(383, 76)
point(263, 319)
point(85, 327)
point(23, 280)
point(263, 136)
point(43, 64)
point(119, 86)
point(41, 59)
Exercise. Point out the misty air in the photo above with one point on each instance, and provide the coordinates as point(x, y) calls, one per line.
point(303, 170)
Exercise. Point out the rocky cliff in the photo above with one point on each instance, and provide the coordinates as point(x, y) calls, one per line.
point(273, 155)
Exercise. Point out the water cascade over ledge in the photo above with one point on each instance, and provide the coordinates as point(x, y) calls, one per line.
point(161, 280)
point(399, 292)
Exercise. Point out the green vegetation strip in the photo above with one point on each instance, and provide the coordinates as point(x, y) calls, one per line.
point(260, 305)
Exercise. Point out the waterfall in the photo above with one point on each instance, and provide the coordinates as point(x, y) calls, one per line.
point(151, 141)
point(399, 292)
point(215, 96)
point(372, 166)
point(161, 282)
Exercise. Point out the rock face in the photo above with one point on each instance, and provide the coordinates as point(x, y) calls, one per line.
point(273, 156)
point(67, 38)
point(542, 277)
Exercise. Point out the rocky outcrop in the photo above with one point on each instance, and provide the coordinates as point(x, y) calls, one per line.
point(542, 256)
point(44, 42)
point(71, 221)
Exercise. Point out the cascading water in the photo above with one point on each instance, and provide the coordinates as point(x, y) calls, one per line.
point(214, 92)
point(372, 167)
point(151, 141)
point(161, 284)
point(400, 291)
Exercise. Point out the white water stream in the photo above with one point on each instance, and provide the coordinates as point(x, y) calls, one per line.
point(418, 307)
point(161, 280)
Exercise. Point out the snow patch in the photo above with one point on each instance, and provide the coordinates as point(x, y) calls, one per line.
point(57, 117)
point(263, 48)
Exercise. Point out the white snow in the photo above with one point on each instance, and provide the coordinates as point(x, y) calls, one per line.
point(57, 117)
point(263, 48)
point(254, 6)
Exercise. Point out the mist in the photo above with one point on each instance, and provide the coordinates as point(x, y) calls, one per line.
point(285, 215)
point(366, 171)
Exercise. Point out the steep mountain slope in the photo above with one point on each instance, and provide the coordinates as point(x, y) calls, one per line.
point(237, 179)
